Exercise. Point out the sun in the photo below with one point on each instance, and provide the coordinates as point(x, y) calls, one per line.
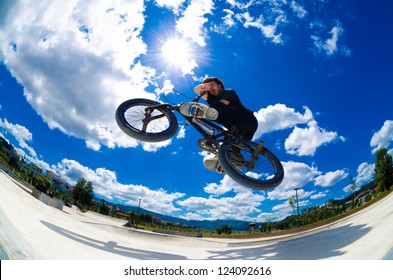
point(178, 53)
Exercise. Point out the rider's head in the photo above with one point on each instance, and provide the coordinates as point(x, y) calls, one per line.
point(213, 79)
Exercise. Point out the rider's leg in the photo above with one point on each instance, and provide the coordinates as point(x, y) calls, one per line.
point(245, 121)
point(212, 164)
point(250, 123)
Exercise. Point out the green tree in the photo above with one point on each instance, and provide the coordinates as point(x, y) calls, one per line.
point(132, 217)
point(104, 208)
point(148, 218)
point(83, 192)
point(266, 227)
point(226, 229)
point(353, 186)
point(384, 169)
point(14, 162)
point(292, 201)
point(42, 183)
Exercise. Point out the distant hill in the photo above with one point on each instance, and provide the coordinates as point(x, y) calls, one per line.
point(235, 225)
point(204, 224)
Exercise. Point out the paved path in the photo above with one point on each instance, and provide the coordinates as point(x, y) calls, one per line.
point(30, 229)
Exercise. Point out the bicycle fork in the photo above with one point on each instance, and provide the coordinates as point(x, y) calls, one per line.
point(149, 117)
point(251, 164)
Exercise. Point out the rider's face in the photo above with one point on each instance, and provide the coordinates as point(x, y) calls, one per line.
point(213, 88)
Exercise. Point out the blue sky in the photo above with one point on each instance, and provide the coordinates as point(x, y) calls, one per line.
point(317, 74)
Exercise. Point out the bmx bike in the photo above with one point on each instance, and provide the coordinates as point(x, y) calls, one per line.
point(248, 163)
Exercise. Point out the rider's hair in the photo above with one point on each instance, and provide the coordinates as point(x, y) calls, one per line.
point(213, 79)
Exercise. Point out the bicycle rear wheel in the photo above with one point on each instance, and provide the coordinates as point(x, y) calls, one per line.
point(158, 125)
point(265, 173)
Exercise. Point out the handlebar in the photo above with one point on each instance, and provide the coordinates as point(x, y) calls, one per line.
point(196, 99)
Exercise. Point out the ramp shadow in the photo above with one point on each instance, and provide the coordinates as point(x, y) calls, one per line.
point(321, 245)
point(112, 246)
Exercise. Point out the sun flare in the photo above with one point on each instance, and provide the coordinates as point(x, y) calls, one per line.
point(178, 53)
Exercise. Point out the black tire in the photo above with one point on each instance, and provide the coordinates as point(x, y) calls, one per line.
point(130, 115)
point(267, 173)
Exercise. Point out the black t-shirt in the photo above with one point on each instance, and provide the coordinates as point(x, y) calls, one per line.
point(231, 96)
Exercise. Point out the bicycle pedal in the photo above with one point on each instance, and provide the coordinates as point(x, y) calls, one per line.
point(194, 111)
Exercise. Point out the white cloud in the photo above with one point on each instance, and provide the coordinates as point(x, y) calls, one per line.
point(299, 10)
point(155, 146)
point(77, 62)
point(283, 207)
point(240, 5)
point(21, 134)
point(305, 141)
point(227, 23)
point(278, 117)
point(227, 200)
point(383, 137)
point(365, 173)
point(238, 207)
point(228, 19)
point(319, 195)
point(227, 184)
point(266, 16)
point(182, 132)
point(191, 24)
point(192, 216)
point(330, 45)
point(217, 189)
point(286, 208)
point(297, 175)
point(330, 178)
point(283, 210)
point(268, 30)
point(106, 185)
point(188, 67)
point(171, 4)
point(82, 57)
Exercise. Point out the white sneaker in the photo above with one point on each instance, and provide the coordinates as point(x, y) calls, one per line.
point(213, 165)
point(202, 111)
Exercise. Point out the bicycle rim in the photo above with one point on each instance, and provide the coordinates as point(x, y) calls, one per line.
point(264, 174)
point(131, 113)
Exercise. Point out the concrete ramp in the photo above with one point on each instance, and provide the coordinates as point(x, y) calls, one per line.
point(30, 229)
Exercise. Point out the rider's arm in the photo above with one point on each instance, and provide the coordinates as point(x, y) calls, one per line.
point(204, 91)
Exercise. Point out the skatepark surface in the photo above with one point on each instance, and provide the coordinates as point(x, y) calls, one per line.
point(31, 230)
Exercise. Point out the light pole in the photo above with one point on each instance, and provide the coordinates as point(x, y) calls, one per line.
point(139, 207)
point(297, 205)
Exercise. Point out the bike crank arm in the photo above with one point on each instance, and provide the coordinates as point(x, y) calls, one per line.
point(250, 164)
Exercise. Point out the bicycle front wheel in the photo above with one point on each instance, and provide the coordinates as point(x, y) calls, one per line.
point(158, 125)
point(264, 172)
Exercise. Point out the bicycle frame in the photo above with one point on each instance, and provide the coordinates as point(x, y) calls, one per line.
point(205, 127)
point(213, 133)
point(246, 162)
